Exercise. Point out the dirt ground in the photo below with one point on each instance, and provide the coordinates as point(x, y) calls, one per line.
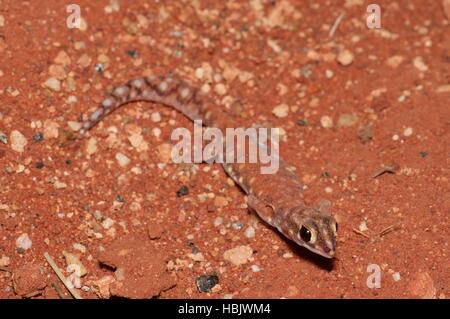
point(365, 122)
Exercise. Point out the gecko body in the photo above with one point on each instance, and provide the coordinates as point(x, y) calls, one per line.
point(276, 198)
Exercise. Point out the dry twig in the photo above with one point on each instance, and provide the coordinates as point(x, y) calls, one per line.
point(61, 277)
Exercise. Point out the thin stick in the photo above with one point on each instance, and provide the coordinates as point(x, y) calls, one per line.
point(5, 269)
point(61, 277)
point(391, 169)
point(58, 290)
point(387, 230)
point(361, 233)
point(336, 25)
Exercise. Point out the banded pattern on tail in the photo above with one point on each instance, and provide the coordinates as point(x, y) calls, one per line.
point(166, 90)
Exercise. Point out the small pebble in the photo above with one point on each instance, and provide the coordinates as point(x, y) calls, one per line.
point(72, 259)
point(423, 154)
point(5, 261)
point(122, 159)
point(238, 255)
point(62, 58)
point(50, 129)
point(408, 131)
point(396, 276)
point(363, 227)
point(3, 138)
point(249, 232)
point(345, 58)
point(329, 74)
point(38, 137)
point(220, 201)
point(79, 247)
point(198, 257)
point(91, 146)
point(39, 165)
point(18, 141)
point(256, 268)
point(108, 223)
point(156, 117)
point(206, 282)
point(287, 255)
point(220, 89)
point(302, 122)
point(183, 191)
point(218, 221)
point(281, 110)
point(53, 84)
point(326, 121)
point(347, 120)
point(24, 242)
point(420, 64)
point(236, 225)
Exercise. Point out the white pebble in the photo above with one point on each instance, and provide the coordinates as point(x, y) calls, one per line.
point(408, 131)
point(328, 190)
point(156, 117)
point(326, 121)
point(250, 232)
point(256, 268)
point(395, 137)
point(220, 89)
point(363, 227)
point(156, 132)
point(18, 141)
point(24, 242)
point(53, 84)
point(238, 255)
point(122, 159)
point(419, 64)
point(218, 221)
point(107, 223)
point(396, 276)
point(79, 247)
point(281, 110)
point(345, 58)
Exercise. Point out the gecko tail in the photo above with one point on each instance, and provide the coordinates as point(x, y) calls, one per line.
point(165, 90)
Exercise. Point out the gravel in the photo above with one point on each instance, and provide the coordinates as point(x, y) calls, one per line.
point(250, 232)
point(38, 137)
point(122, 159)
point(239, 255)
point(206, 282)
point(183, 191)
point(53, 84)
point(23, 242)
point(18, 141)
point(281, 110)
point(3, 138)
point(326, 121)
point(345, 58)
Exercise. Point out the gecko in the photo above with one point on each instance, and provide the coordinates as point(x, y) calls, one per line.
point(276, 198)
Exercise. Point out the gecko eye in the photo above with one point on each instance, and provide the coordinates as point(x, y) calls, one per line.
point(305, 234)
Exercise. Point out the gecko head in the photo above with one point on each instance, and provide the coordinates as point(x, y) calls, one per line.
point(314, 229)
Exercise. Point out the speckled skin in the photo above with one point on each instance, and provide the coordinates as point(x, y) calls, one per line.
point(276, 198)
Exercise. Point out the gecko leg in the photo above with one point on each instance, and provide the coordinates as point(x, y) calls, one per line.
point(264, 210)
